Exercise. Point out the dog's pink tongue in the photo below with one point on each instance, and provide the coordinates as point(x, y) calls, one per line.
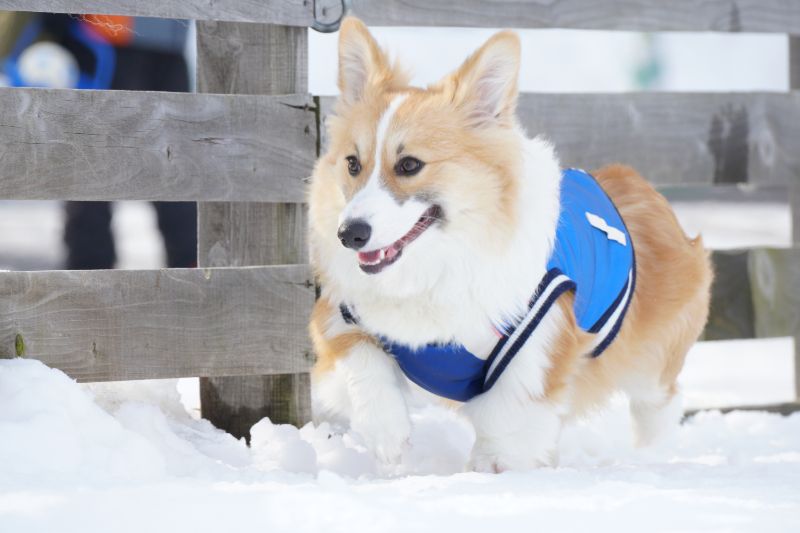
point(375, 255)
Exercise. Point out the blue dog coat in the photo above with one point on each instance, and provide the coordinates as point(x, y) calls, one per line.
point(593, 256)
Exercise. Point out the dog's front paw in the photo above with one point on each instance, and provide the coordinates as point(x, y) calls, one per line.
point(485, 463)
point(488, 457)
point(500, 455)
point(387, 437)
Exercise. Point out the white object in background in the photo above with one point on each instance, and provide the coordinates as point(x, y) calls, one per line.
point(50, 65)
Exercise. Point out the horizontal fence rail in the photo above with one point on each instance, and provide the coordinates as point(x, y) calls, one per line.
point(125, 145)
point(673, 138)
point(120, 325)
point(731, 193)
point(778, 16)
point(284, 12)
point(117, 145)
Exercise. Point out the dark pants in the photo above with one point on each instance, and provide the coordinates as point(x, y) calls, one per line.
point(90, 244)
point(87, 231)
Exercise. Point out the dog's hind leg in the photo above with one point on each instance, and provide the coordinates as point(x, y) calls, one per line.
point(655, 416)
point(655, 400)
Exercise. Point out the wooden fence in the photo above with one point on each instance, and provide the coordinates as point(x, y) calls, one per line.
point(245, 144)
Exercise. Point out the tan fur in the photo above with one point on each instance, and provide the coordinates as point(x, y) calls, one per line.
point(669, 306)
point(565, 352)
point(329, 348)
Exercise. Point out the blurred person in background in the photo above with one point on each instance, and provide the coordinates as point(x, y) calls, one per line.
point(102, 52)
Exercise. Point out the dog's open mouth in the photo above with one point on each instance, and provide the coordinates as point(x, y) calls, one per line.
point(376, 260)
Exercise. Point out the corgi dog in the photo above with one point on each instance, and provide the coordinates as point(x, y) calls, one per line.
point(454, 252)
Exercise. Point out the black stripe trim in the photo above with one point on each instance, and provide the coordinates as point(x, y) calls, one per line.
point(347, 315)
point(492, 356)
point(560, 289)
point(610, 311)
point(600, 348)
point(548, 278)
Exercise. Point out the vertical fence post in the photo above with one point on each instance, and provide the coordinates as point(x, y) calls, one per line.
point(794, 194)
point(240, 58)
point(794, 84)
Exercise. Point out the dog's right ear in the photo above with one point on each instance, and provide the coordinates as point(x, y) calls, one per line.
point(362, 63)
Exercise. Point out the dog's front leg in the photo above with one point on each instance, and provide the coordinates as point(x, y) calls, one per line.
point(356, 381)
point(512, 433)
point(517, 422)
point(379, 412)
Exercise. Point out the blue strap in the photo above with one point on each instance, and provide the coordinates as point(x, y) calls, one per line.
point(452, 371)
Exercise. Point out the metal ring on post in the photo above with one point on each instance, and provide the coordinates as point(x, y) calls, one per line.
point(329, 27)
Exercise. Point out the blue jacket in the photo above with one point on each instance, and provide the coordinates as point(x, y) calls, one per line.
point(593, 256)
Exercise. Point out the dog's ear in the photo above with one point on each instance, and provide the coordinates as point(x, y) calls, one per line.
point(485, 86)
point(362, 63)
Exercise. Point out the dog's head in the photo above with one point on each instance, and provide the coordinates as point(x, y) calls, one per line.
point(412, 178)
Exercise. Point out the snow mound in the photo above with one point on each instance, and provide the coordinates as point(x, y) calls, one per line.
point(79, 458)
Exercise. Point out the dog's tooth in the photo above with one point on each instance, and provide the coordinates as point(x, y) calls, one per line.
point(383, 255)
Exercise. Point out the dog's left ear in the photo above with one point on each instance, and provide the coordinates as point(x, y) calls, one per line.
point(485, 86)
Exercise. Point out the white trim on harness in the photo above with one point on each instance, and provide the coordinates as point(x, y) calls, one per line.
point(609, 326)
point(519, 330)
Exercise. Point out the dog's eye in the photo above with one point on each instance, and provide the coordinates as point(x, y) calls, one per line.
point(408, 166)
point(353, 165)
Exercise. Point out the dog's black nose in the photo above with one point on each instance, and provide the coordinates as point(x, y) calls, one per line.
point(354, 234)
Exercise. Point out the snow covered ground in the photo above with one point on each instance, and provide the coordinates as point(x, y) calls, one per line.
point(130, 458)
point(135, 456)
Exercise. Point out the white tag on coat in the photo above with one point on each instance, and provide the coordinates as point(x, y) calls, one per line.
point(611, 232)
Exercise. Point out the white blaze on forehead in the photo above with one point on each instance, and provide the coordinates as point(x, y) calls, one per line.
point(374, 204)
point(380, 137)
point(374, 190)
point(374, 196)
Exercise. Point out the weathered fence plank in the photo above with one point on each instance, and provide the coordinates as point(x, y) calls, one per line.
point(794, 84)
point(755, 294)
point(252, 59)
point(674, 138)
point(120, 145)
point(780, 16)
point(117, 324)
point(794, 189)
point(785, 409)
point(727, 193)
point(162, 146)
point(287, 12)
